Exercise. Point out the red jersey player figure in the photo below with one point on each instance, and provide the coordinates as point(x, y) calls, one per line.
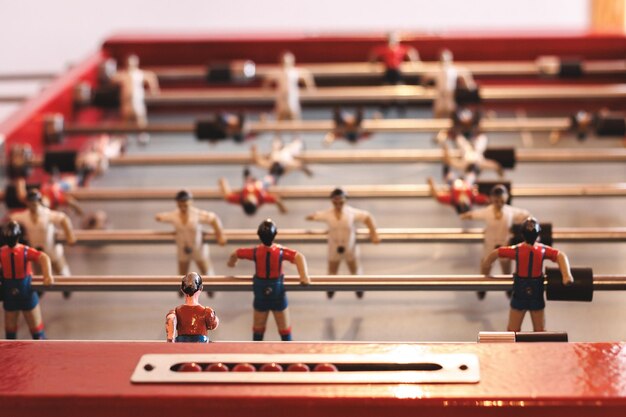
point(392, 55)
point(253, 194)
point(267, 284)
point(461, 194)
point(190, 321)
point(528, 284)
point(17, 292)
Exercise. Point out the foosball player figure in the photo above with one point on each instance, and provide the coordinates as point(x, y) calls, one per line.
point(282, 158)
point(528, 286)
point(40, 224)
point(461, 194)
point(342, 221)
point(392, 55)
point(286, 82)
point(347, 126)
point(190, 322)
point(187, 221)
point(268, 280)
point(19, 168)
point(446, 79)
point(471, 144)
point(253, 194)
point(498, 217)
point(133, 82)
point(17, 292)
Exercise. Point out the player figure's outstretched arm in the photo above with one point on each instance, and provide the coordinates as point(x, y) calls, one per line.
point(232, 260)
point(279, 203)
point(303, 271)
point(170, 326)
point(216, 224)
point(371, 225)
point(46, 269)
point(486, 263)
point(151, 81)
point(307, 79)
point(225, 188)
point(66, 224)
point(566, 272)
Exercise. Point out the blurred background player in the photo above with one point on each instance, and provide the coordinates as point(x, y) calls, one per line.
point(40, 224)
point(446, 79)
point(132, 82)
point(253, 194)
point(342, 221)
point(499, 218)
point(268, 281)
point(191, 321)
point(392, 55)
point(286, 82)
point(282, 159)
point(17, 292)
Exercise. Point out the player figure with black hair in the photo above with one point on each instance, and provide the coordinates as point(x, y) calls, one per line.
point(187, 221)
point(342, 220)
point(268, 281)
point(528, 285)
point(17, 292)
point(498, 217)
point(254, 193)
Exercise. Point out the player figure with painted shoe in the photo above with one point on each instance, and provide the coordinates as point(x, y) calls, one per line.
point(268, 280)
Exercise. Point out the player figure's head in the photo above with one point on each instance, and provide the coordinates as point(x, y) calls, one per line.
point(20, 154)
point(499, 195)
point(267, 232)
point(191, 284)
point(132, 62)
point(183, 200)
point(393, 38)
point(338, 197)
point(12, 233)
point(33, 199)
point(288, 60)
point(446, 57)
point(530, 230)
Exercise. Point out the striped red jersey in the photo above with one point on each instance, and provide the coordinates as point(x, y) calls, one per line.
point(16, 261)
point(528, 258)
point(268, 259)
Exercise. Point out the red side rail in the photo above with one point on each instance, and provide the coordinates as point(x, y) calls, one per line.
point(55, 378)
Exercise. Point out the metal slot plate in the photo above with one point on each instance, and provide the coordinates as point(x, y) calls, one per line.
point(455, 369)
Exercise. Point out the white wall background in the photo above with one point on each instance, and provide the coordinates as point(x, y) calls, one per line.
point(49, 34)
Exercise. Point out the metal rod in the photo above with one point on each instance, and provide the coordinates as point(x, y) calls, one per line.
point(403, 235)
point(376, 70)
point(355, 191)
point(27, 76)
point(542, 124)
point(381, 94)
point(12, 98)
point(318, 283)
point(362, 156)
